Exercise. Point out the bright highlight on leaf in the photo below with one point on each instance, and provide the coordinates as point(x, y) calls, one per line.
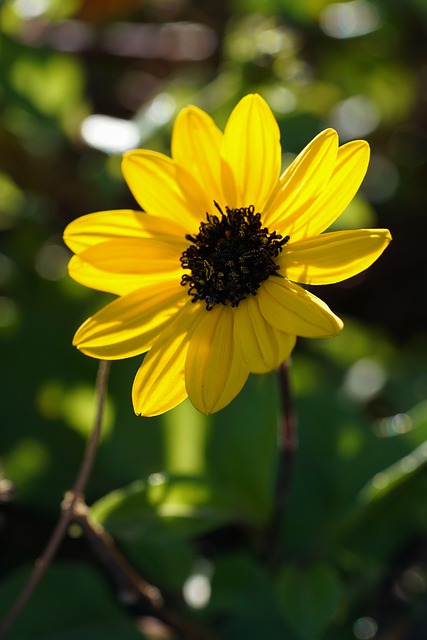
point(208, 276)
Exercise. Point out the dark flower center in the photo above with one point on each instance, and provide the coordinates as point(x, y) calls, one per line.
point(230, 257)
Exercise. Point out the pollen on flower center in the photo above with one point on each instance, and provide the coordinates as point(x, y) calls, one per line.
point(230, 257)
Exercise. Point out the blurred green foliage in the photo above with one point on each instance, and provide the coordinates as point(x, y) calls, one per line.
point(188, 498)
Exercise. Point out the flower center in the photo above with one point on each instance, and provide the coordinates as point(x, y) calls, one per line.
point(230, 257)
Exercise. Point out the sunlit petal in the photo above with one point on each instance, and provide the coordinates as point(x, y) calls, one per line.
point(214, 373)
point(102, 226)
point(160, 382)
point(88, 275)
point(152, 178)
point(332, 257)
point(350, 169)
point(196, 145)
point(144, 256)
point(261, 346)
point(197, 199)
point(302, 182)
point(294, 310)
point(251, 154)
point(129, 325)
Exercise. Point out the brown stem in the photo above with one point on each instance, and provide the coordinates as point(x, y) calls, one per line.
point(287, 444)
point(122, 572)
point(67, 508)
point(130, 582)
point(287, 439)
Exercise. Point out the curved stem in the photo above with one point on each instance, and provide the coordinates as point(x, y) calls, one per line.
point(287, 444)
point(67, 507)
point(92, 444)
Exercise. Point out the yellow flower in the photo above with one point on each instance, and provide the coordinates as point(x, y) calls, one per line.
point(206, 276)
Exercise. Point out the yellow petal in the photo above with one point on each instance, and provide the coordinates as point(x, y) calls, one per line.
point(261, 346)
point(152, 178)
point(196, 145)
point(160, 382)
point(251, 154)
point(143, 256)
point(101, 226)
point(350, 169)
point(294, 310)
point(88, 275)
point(302, 182)
point(198, 200)
point(332, 257)
point(214, 373)
point(129, 325)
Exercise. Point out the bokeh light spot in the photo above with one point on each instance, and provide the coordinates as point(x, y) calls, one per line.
point(49, 400)
point(382, 179)
point(28, 9)
point(349, 442)
point(364, 380)
point(108, 134)
point(27, 461)
point(156, 479)
point(281, 99)
point(9, 314)
point(161, 109)
point(365, 628)
point(394, 426)
point(197, 588)
point(78, 411)
point(355, 117)
point(349, 19)
point(51, 261)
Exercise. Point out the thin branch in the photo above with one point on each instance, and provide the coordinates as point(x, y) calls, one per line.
point(93, 442)
point(104, 547)
point(49, 552)
point(287, 444)
point(131, 584)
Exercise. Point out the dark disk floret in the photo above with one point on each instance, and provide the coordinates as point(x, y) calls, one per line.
point(230, 257)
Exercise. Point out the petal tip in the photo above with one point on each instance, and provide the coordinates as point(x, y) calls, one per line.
point(127, 155)
point(339, 326)
point(329, 135)
point(253, 99)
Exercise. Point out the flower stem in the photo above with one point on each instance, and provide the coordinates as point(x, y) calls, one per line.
point(67, 508)
point(287, 445)
point(287, 439)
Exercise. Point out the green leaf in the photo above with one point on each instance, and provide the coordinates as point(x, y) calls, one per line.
point(242, 449)
point(372, 530)
point(162, 563)
point(72, 601)
point(400, 472)
point(255, 624)
point(185, 433)
point(239, 582)
point(309, 598)
point(174, 505)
